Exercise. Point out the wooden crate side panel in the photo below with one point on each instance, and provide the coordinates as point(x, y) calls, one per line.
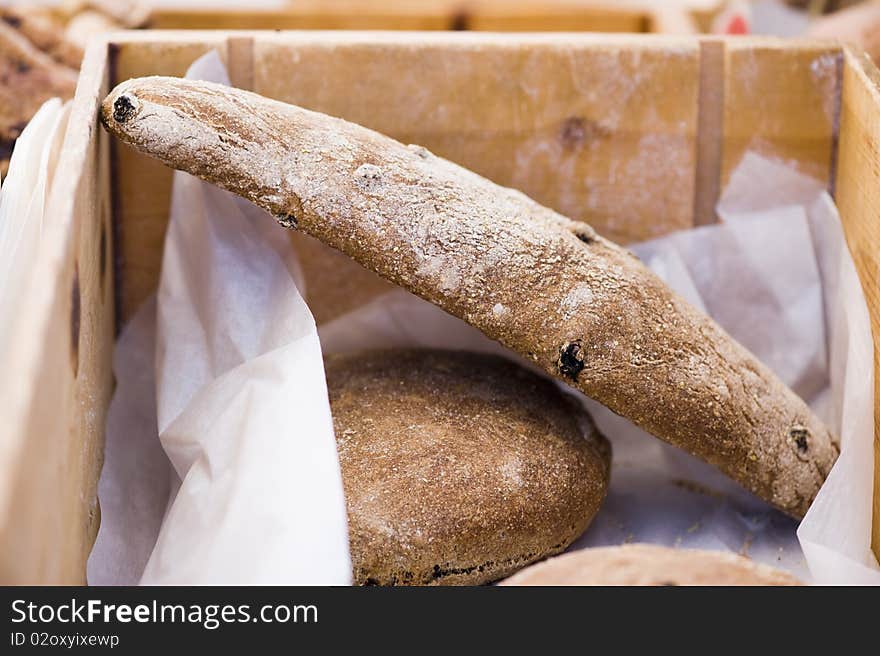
point(858, 199)
point(51, 521)
point(781, 100)
point(603, 130)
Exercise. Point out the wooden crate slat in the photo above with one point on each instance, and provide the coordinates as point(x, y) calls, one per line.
point(857, 194)
point(56, 402)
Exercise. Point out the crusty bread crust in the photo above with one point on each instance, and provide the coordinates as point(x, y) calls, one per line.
point(646, 564)
point(579, 306)
point(459, 468)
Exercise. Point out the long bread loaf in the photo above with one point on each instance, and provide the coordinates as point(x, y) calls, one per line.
point(581, 307)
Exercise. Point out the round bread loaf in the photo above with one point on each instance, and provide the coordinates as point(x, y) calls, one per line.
point(647, 564)
point(459, 468)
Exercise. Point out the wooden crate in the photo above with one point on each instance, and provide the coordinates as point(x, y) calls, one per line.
point(635, 134)
point(483, 15)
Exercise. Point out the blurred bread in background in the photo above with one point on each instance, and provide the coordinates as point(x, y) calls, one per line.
point(30, 77)
point(822, 6)
point(41, 49)
point(45, 30)
point(858, 25)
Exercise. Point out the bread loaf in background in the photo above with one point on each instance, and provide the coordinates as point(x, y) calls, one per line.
point(41, 49)
point(858, 25)
point(647, 564)
point(580, 307)
point(31, 77)
point(46, 32)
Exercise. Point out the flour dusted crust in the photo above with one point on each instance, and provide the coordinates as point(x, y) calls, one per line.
point(645, 564)
point(459, 468)
point(577, 305)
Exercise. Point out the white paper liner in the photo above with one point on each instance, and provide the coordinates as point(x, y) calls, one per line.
point(242, 407)
point(761, 274)
point(23, 199)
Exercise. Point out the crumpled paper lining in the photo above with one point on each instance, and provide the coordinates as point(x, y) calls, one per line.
point(760, 273)
point(23, 197)
point(255, 493)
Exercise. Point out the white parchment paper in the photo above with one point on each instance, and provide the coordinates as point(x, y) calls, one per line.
point(775, 273)
point(23, 199)
point(242, 409)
